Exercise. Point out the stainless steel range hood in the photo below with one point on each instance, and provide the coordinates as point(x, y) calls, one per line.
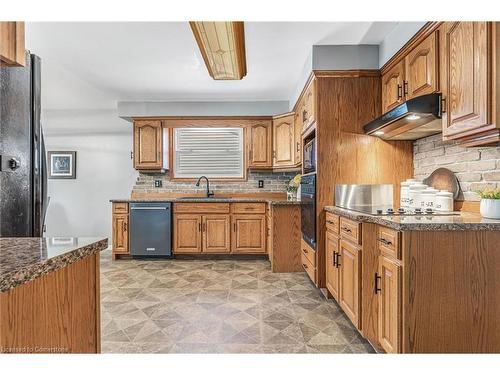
point(414, 119)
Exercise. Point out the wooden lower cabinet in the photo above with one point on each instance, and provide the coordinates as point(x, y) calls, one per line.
point(349, 263)
point(120, 233)
point(332, 271)
point(389, 306)
point(216, 234)
point(187, 233)
point(249, 234)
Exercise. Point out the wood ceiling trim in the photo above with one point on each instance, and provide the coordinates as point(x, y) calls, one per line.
point(222, 46)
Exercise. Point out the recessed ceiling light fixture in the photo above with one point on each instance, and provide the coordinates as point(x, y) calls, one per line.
point(412, 117)
point(222, 45)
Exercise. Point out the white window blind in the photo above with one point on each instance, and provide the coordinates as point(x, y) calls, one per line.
point(211, 152)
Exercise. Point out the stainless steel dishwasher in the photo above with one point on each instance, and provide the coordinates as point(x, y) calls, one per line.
point(151, 229)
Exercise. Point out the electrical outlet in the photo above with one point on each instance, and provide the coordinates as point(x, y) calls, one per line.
point(261, 184)
point(157, 183)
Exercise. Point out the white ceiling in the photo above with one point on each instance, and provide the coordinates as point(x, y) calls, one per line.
point(93, 64)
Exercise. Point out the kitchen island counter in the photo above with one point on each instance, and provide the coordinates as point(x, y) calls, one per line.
point(50, 295)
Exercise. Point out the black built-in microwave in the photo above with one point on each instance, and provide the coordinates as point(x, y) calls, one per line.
point(309, 160)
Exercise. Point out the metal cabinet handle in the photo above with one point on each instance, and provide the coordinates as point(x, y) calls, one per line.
point(443, 105)
point(377, 278)
point(330, 222)
point(305, 251)
point(384, 241)
point(337, 261)
point(405, 88)
point(345, 229)
point(304, 265)
point(400, 92)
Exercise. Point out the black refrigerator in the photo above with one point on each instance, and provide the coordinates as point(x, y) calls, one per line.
point(23, 177)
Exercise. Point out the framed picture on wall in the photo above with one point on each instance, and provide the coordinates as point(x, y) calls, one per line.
point(62, 164)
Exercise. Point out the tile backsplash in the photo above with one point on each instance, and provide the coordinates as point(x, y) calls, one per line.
point(273, 182)
point(476, 168)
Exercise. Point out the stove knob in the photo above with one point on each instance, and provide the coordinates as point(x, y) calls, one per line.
point(429, 211)
point(379, 211)
point(418, 210)
point(390, 211)
point(401, 210)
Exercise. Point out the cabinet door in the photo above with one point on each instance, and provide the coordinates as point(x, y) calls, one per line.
point(298, 138)
point(260, 145)
point(284, 144)
point(389, 305)
point(421, 66)
point(187, 233)
point(249, 234)
point(216, 234)
point(332, 272)
point(309, 108)
point(350, 271)
point(465, 73)
point(12, 51)
point(392, 87)
point(148, 144)
point(120, 233)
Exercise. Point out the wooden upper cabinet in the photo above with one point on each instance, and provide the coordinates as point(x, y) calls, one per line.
point(260, 153)
point(467, 56)
point(309, 105)
point(298, 138)
point(216, 234)
point(421, 68)
point(389, 325)
point(12, 50)
point(392, 87)
point(284, 141)
point(120, 233)
point(148, 144)
point(349, 263)
point(187, 233)
point(249, 234)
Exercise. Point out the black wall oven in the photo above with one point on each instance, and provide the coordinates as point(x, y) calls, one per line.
point(308, 209)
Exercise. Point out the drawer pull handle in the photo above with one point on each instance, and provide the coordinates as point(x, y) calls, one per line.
point(305, 251)
point(330, 222)
point(304, 265)
point(345, 229)
point(384, 241)
point(377, 278)
point(337, 260)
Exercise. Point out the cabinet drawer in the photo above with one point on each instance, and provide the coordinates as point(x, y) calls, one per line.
point(389, 242)
point(350, 230)
point(332, 223)
point(202, 208)
point(308, 252)
point(120, 208)
point(309, 268)
point(249, 208)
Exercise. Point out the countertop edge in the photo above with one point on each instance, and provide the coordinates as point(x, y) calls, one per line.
point(357, 216)
point(29, 273)
point(209, 200)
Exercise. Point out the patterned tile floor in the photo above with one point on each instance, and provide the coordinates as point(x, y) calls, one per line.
point(217, 306)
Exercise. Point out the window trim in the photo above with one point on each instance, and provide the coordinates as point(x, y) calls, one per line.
point(197, 124)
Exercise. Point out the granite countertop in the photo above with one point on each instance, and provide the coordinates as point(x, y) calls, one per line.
point(463, 221)
point(24, 259)
point(212, 200)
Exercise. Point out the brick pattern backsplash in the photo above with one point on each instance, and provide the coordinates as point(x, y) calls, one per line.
point(476, 168)
point(273, 182)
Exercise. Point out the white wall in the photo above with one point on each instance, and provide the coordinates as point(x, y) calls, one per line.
point(396, 39)
point(104, 170)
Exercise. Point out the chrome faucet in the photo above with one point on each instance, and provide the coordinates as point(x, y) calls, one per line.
point(209, 193)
